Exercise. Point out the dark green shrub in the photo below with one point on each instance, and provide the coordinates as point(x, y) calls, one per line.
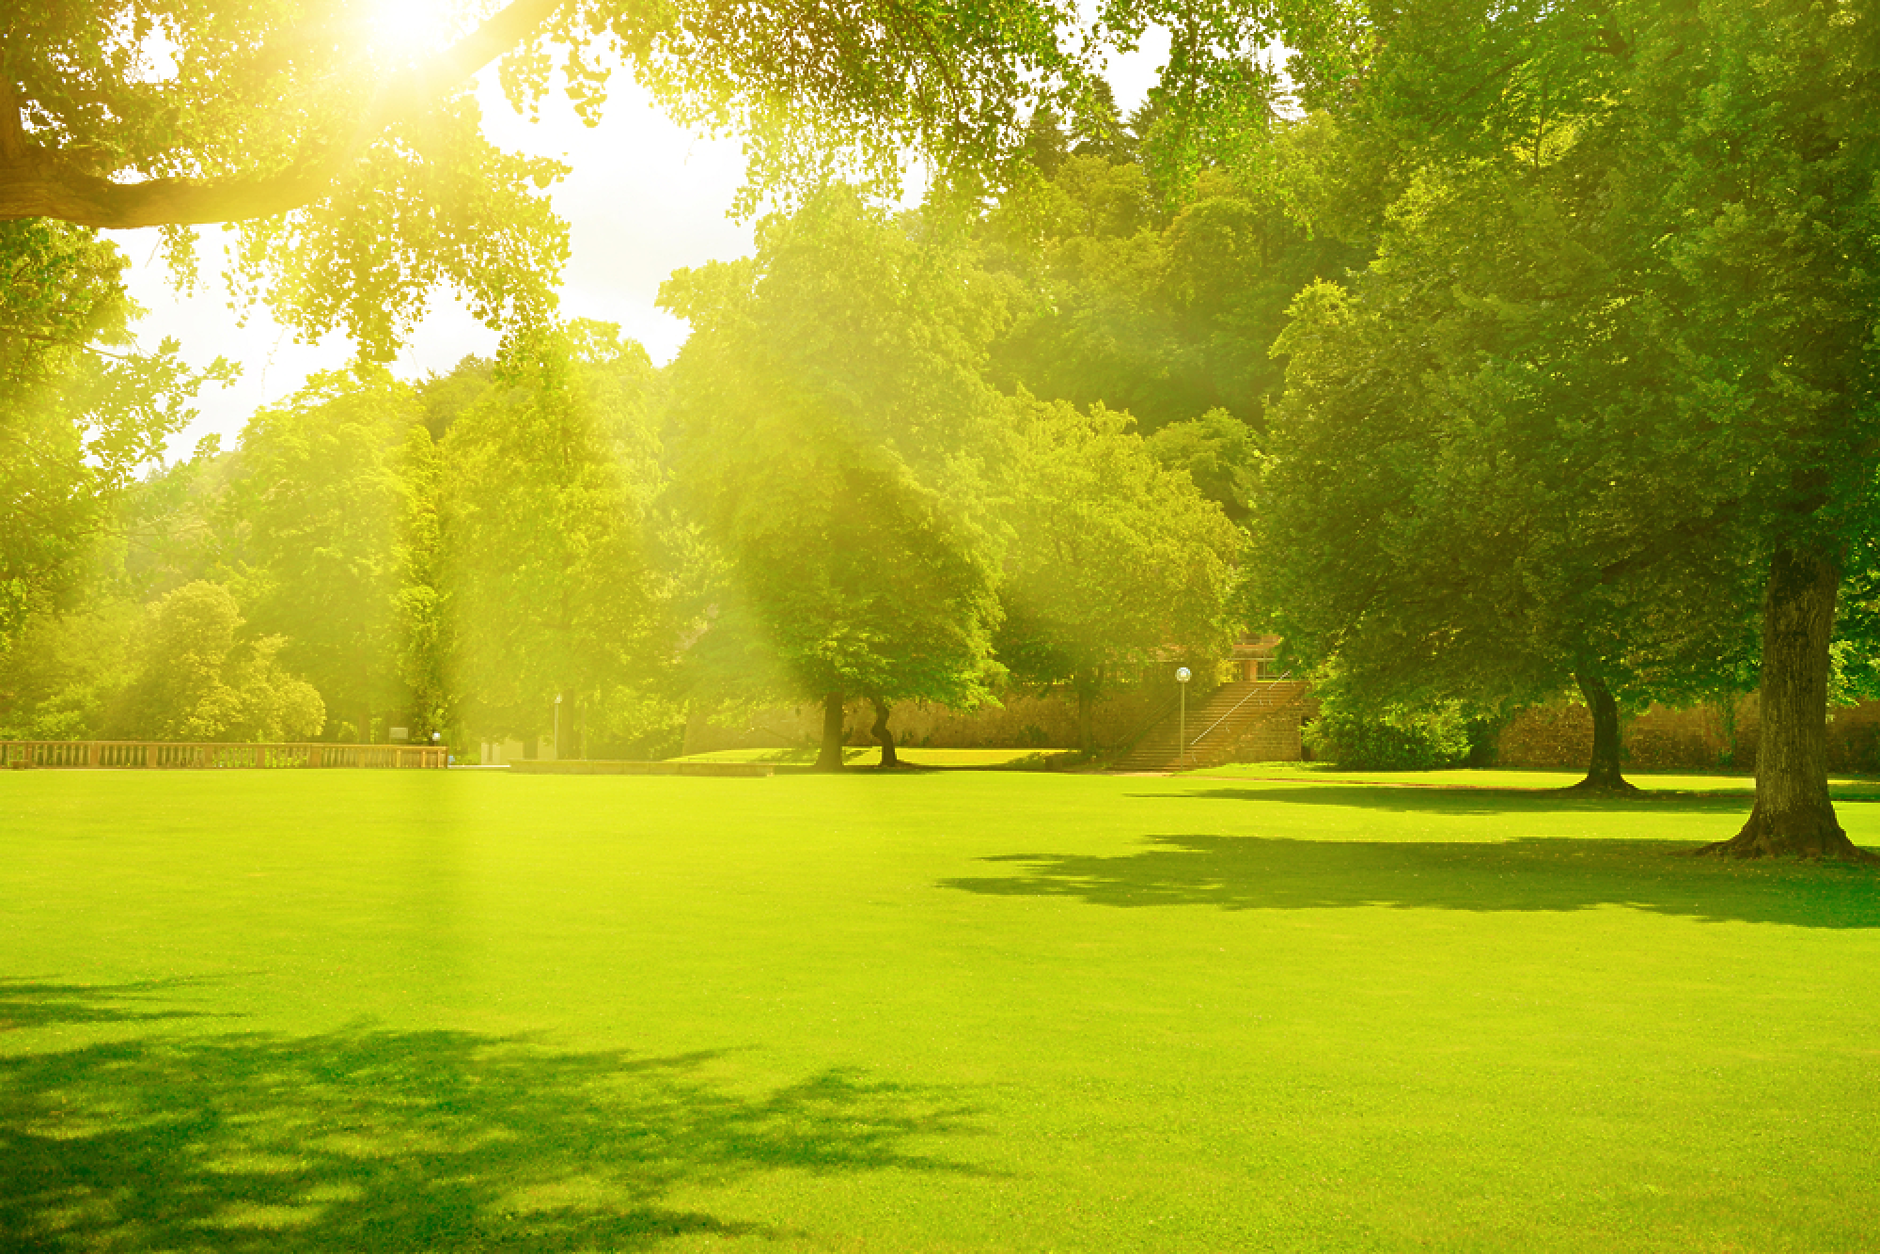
point(1389, 738)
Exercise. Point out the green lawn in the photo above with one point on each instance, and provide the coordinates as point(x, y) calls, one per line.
point(1004, 1011)
point(1518, 779)
point(909, 756)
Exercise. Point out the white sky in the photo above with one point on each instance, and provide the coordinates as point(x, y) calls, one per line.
point(644, 199)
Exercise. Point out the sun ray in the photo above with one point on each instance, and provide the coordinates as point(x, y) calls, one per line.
point(413, 28)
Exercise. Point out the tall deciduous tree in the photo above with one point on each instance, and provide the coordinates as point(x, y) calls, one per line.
point(1771, 205)
point(831, 429)
point(552, 578)
point(193, 679)
point(1734, 206)
point(318, 519)
point(1112, 560)
point(1450, 503)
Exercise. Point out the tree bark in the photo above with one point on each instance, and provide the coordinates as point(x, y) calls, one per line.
point(1793, 816)
point(882, 734)
point(830, 759)
point(1603, 772)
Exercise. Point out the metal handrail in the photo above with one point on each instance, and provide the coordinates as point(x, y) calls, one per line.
point(1217, 722)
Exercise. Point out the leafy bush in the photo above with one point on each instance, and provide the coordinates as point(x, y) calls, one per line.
point(1390, 737)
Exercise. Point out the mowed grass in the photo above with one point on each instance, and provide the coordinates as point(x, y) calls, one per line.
point(914, 756)
point(465, 1011)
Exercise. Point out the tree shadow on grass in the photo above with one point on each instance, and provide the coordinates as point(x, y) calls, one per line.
point(27, 1004)
point(1414, 799)
point(396, 1142)
point(1541, 874)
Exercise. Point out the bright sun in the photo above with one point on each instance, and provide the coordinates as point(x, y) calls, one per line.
point(415, 28)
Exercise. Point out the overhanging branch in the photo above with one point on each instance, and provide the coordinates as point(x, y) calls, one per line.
point(38, 182)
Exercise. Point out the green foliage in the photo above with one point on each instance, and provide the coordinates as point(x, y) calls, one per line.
point(1460, 497)
point(830, 435)
point(360, 180)
point(1165, 314)
point(1219, 453)
point(62, 673)
point(81, 414)
point(1046, 143)
point(192, 680)
point(1113, 559)
point(493, 541)
point(550, 552)
point(59, 677)
point(975, 89)
point(320, 520)
point(1610, 368)
point(355, 167)
point(1389, 737)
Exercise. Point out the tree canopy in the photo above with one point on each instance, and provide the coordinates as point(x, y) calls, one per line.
point(192, 679)
point(82, 413)
point(1540, 351)
point(1676, 292)
point(550, 571)
point(318, 523)
point(355, 162)
point(1113, 559)
point(831, 431)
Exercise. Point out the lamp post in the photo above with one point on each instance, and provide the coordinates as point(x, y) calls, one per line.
point(1182, 676)
point(556, 735)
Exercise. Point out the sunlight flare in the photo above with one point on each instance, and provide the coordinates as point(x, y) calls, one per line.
point(413, 28)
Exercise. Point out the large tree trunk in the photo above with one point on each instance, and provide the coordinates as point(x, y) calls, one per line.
point(882, 734)
point(830, 759)
point(1793, 816)
point(1603, 772)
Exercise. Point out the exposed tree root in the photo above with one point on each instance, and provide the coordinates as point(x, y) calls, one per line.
point(1815, 840)
point(1614, 785)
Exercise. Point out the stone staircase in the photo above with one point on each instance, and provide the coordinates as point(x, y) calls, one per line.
point(1216, 726)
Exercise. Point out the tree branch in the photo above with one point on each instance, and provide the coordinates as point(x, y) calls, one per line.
point(39, 182)
point(63, 342)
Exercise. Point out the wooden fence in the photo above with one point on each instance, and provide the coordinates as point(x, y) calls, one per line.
point(172, 756)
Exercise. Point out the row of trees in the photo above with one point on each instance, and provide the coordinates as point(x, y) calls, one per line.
point(825, 498)
point(350, 215)
point(1552, 329)
point(892, 525)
